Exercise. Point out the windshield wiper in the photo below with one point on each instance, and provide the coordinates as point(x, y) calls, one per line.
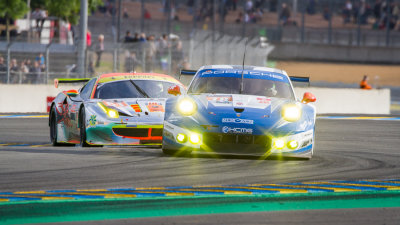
point(141, 91)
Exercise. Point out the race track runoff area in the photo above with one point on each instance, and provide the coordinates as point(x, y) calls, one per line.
point(85, 205)
point(355, 168)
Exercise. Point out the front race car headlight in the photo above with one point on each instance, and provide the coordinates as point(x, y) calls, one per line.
point(186, 107)
point(112, 113)
point(291, 113)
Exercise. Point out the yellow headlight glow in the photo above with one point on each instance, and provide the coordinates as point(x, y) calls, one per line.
point(181, 138)
point(194, 139)
point(112, 113)
point(291, 113)
point(293, 144)
point(279, 143)
point(187, 107)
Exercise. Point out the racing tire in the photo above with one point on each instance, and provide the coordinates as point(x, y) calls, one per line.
point(54, 131)
point(313, 145)
point(82, 126)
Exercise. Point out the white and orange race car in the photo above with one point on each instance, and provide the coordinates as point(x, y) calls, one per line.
point(112, 109)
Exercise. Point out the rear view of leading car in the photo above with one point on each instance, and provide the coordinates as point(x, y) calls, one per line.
point(240, 110)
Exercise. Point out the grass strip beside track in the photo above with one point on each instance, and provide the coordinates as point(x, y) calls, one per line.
point(86, 210)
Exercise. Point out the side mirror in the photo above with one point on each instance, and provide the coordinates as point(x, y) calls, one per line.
point(72, 93)
point(308, 97)
point(175, 90)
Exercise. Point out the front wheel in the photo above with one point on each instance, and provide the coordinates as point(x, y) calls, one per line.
point(82, 126)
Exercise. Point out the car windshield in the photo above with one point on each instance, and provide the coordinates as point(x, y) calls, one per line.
point(134, 89)
point(231, 85)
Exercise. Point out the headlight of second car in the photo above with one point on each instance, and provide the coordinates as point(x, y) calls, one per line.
point(186, 106)
point(291, 113)
point(112, 113)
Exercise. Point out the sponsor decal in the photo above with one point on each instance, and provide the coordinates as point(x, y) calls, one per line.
point(237, 120)
point(64, 108)
point(137, 77)
point(266, 101)
point(115, 104)
point(136, 107)
point(237, 130)
point(155, 107)
point(220, 99)
point(73, 109)
point(253, 72)
point(92, 120)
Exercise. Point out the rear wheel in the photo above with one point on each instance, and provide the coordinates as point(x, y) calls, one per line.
point(54, 130)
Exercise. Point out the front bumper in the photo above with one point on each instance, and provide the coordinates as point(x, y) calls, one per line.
point(240, 144)
point(124, 134)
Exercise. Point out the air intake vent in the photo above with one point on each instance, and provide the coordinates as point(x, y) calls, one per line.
point(239, 110)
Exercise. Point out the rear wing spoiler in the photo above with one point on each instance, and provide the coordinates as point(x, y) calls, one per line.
point(300, 79)
point(292, 78)
point(187, 72)
point(69, 80)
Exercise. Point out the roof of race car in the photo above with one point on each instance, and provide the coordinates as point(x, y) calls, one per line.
point(137, 76)
point(240, 67)
point(255, 72)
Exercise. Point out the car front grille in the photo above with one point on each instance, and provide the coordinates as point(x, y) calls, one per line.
point(137, 132)
point(218, 138)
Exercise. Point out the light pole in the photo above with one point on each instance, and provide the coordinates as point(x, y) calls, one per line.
point(82, 39)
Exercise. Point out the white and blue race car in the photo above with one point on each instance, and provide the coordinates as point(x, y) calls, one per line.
point(244, 110)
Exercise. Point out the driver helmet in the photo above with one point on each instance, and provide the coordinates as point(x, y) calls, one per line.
point(270, 88)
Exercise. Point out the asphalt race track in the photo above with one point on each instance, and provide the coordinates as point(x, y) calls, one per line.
point(346, 150)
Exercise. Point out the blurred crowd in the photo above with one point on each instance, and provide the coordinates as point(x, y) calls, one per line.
point(352, 11)
point(152, 53)
point(148, 52)
point(26, 71)
point(360, 12)
point(251, 12)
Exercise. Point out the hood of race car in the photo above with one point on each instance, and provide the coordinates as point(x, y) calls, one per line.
point(231, 111)
point(136, 106)
point(238, 105)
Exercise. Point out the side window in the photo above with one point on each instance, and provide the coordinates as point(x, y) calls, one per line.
point(87, 89)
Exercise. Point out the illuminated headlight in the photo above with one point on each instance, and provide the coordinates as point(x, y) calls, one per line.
point(194, 139)
point(181, 138)
point(291, 113)
point(293, 144)
point(187, 107)
point(112, 113)
point(279, 143)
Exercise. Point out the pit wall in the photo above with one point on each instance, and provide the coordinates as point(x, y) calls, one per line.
point(348, 100)
point(15, 98)
point(32, 99)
